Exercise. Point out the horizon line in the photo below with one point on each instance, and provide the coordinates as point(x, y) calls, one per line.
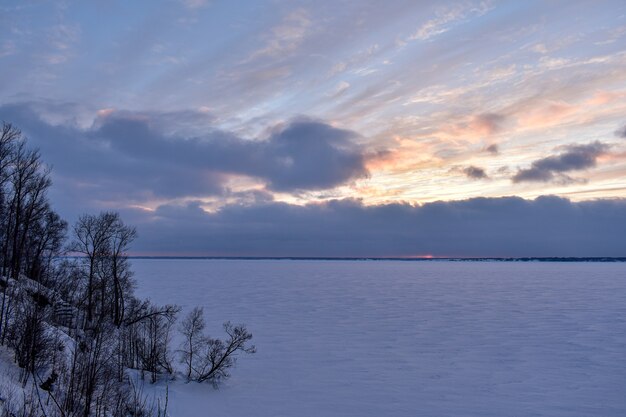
point(391, 258)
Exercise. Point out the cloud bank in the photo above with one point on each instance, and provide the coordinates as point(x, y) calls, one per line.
point(508, 226)
point(130, 153)
point(126, 158)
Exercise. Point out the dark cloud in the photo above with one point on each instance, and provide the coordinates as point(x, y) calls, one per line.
point(132, 156)
point(621, 133)
point(493, 149)
point(574, 158)
point(310, 155)
point(475, 173)
point(510, 226)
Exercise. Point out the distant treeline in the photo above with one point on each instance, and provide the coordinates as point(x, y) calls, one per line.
point(296, 258)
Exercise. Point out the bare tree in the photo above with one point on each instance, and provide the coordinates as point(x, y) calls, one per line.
point(24, 181)
point(121, 238)
point(9, 136)
point(213, 361)
point(92, 239)
point(147, 337)
point(27, 336)
point(29, 180)
point(192, 329)
point(46, 242)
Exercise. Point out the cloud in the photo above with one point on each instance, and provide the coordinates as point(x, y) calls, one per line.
point(287, 36)
point(574, 158)
point(339, 89)
point(546, 114)
point(509, 226)
point(489, 123)
point(447, 17)
point(127, 155)
point(475, 126)
point(621, 133)
point(62, 39)
point(310, 155)
point(195, 4)
point(7, 48)
point(475, 173)
point(493, 149)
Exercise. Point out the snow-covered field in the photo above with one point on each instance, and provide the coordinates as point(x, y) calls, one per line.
point(350, 338)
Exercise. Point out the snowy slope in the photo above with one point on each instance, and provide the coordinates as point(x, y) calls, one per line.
point(407, 338)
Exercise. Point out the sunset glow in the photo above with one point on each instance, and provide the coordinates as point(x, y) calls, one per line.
point(218, 105)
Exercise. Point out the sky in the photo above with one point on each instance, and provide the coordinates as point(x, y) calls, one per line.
point(329, 128)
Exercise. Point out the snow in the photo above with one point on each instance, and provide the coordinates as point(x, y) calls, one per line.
point(10, 388)
point(387, 338)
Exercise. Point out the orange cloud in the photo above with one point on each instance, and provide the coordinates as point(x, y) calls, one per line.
point(604, 97)
point(549, 114)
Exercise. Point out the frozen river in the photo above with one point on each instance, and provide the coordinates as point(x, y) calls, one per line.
point(393, 338)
